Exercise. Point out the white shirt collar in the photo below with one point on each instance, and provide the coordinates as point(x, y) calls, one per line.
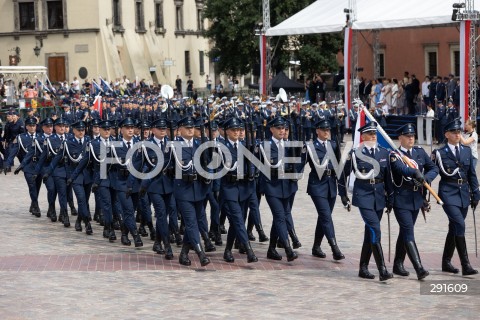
point(157, 141)
point(406, 150)
point(322, 142)
point(125, 141)
point(233, 142)
point(452, 147)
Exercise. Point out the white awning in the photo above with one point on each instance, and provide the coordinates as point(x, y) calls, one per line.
point(23, 69)
point(327, 16)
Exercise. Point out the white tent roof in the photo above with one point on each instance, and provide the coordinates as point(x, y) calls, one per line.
point(325, 16)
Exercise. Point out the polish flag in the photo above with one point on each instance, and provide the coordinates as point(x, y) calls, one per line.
point(97, 105)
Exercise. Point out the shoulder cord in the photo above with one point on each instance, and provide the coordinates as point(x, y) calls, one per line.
point(72, 158)
point(21, 144)
point(358, 174)
point(38, 146)
point(317, 165)
point(232, 168)
point(397, 155)
point(50, 146)
point(127, 161)
point(275, 166)
point(144, 149)
point(440, 162)
point(178, 162)
point(95, 156)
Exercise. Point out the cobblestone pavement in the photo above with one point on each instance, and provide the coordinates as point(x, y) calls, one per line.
point(51, 272)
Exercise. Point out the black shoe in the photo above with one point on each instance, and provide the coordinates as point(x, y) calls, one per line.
point(60, 216)
point(251, 237)
point(183, 258)
point(364, 260)
point(66, 219)
point(262, 237)
point(106, 232)
point(53, 216)
point(88, 226)
point(209, 247)
point(295, 242)
point(380, 260)
point(36, 209)
point(142, 231)
point(291, 255)
point(158, 248)
point(178, 239)
point(317, 252)
point(461, 245)
point(201, 255)
point(414, 257)
point(448, 254)
point(272, 254)
point(50, 209)
point(78, 224)
point(169, 253)
point(172, 237)
point(112, 236)
point(222, 229)
point(400, 252)
point(337, 254)
point(250, 254)
point(228, 256)
point(124, 238)
point(137, 239)
point(73, 210)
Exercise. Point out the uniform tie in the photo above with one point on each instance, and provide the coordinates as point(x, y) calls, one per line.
point(234, 146)
point(408, 153)
point(61, 138)
point(128, 145)
point(457, 153)
point(372, 152)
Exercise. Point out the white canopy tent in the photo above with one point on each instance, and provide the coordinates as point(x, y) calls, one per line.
point(326, 16)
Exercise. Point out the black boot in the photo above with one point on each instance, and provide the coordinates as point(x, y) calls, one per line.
point(88, 226)
point(66, 219)
point(142, 231)
point(227, 254)
point(262, 237)
point(414, 257)
point(152, 231)
point(168, 249)
point(461, 245)
point(73, 211)
point(50, 210)
point(291, 255)
point(337, 254)
point(295, 242)
point(272, 253)
point(183, 258)
point(124, 238)
point(223, 230)
point(400, 252)
point(53, 216)
point(31, 206)
point(251, 237)
point(201, 255)
point(178, 239)
point(172, 237)
point(78, 224)
point(209, 247)
point(380, 260)
point(157, 246)
point(250, 254)
point(137, 239)
point(316, 250)
point(112, 236)
point(364, 260)
point(101, 218)
point(36, 209)
point(106, 232)
point(217, 236)
point(448, 254)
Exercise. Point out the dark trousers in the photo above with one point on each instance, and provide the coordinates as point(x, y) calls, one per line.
point(160, 204)
point(280, 209)
point(456, 219)
point(192, 212)
point(34, 185)
point(214, 208)
point(61, 187)
point(82, 193)
point(172, 214)
point(128, 211)
point(324, 226)
point(406, 220)
point(106, 198)
point(372, 220)
point(51, 191)
point(236, 218)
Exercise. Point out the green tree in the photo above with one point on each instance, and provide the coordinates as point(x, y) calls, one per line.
point(236, 48)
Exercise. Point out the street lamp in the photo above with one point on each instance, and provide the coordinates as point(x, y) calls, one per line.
point(37, 49)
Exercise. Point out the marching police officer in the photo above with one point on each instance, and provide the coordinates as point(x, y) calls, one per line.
point(458, 188)
point(13, 129)
point(323, 189)
point(372, 192)
point(409, 197)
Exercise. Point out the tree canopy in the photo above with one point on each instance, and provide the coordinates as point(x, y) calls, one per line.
point(235, 47)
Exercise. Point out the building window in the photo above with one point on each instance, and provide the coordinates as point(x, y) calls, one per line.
point(455, 60)
point(26, 12)
point(431, 60)
point(187, 62)
point(179, 15)
point(139, 18)
point(55, 14)
point(199, 19)
point(159, 15)
point(117, 14)
point(201, 62)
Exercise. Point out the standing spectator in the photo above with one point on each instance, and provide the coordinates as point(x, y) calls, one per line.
point(378, 91)
point(219, 87)
point(441, 89)
point(31, 93)
point(361, 89)
point(401, 98)
point(456, 94)
point(387, 95)
point(366, 92)
point(76, 84)
point(410, 97)
point(312, 90)
point(178, 86)
point(320, 88)
point(373, 93)
point(208, 83)
point(451, 84)
point(189, 87)
point(395, 96)
point(470, 139)
point(307, 89)
point(426, 91)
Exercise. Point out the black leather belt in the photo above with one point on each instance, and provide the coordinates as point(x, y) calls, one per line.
point(455, 181)
point(231, 178)
point(189, 177)
point(370, 181)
